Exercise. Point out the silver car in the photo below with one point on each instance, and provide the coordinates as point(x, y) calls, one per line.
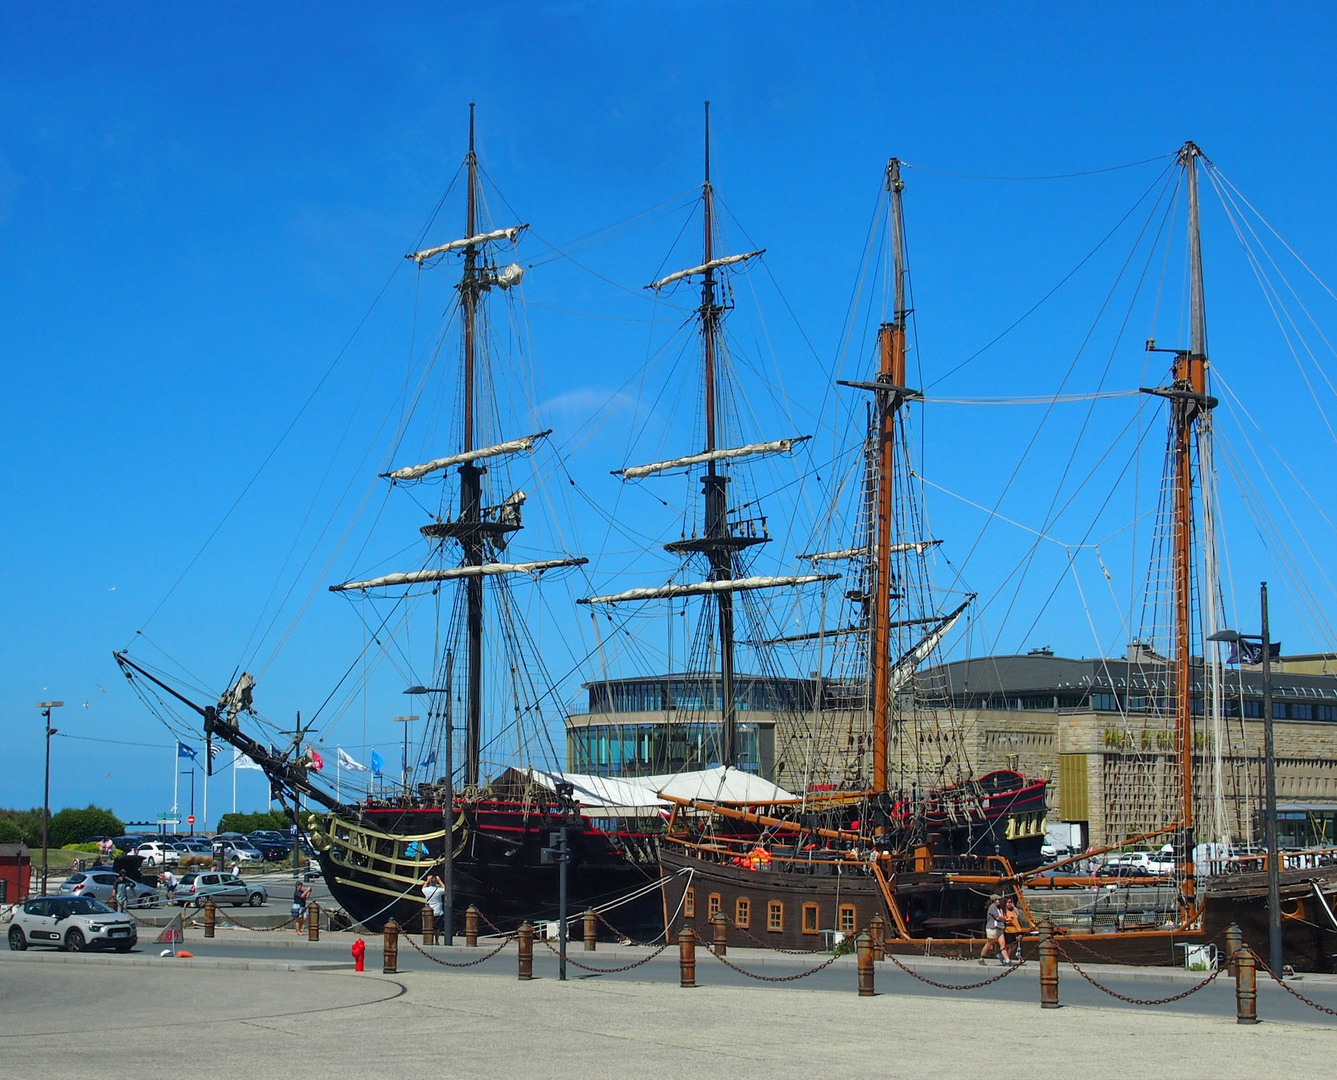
point(73, 923)
point(100, 884)
point(220, 888)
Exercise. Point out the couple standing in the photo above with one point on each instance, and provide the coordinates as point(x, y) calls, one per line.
point(1001, 920)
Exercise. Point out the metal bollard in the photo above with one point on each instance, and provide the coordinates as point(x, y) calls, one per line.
point(471, 926)
point(721, 925)
point(313, 921)
point(210, 918)
point(428, 925)
point(878, 928)
point(591, 930)
point(686, 958)
point(1048, 967)
point(1246, 987)
point(526, 941)
point(390, 966)
point(865, 946)
point(1234, 939)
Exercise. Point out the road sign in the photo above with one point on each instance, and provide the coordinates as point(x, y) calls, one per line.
point(174, 819)
point(190, 820)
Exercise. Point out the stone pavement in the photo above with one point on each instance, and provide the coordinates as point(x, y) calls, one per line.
point(65, 1015)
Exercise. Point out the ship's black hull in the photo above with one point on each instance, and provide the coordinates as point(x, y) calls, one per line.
point(374, 861)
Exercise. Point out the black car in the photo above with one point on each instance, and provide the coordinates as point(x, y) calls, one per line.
point(274, 850)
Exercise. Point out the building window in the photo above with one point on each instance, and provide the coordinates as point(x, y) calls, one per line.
point(742, 913)
point(712, 905)
point(689, 904)
point(775, 916)
point(846, 920)
point(812, 918)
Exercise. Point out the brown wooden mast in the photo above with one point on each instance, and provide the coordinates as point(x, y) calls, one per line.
point(891, 371)
point(1189, 404)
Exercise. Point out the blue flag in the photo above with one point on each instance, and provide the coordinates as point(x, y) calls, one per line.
point(376, 762)
point(184, 751)
point(431, 760)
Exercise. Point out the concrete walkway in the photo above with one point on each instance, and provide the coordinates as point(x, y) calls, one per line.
point(144, 1020)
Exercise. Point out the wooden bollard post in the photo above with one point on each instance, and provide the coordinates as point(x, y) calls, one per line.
point(878, 928)
point(1048, 967)
point(686, 958)
point(471, 926)
point(721, 925)
point(865, 945)
point(591, 930)
point(313, 921)
point(525, 938)
point(210, 917)
point(1246, 987)
point(428, 925)
point(1234, 939)
point(390, 965)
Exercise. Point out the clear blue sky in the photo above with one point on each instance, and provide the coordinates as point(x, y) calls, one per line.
point(198, 204)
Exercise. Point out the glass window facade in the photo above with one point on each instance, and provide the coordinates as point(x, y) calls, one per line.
point(647, 749)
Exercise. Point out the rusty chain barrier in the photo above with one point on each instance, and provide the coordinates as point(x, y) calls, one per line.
point(772, 978)
point(254, 929)
point(1132, 1000)
point(464, 963)
point(1292, 991)
point(606, 971)
point(957, 986)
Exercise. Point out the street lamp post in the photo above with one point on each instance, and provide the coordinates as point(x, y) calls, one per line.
point(448, 859)
point(46, 707)
point(1275, 954)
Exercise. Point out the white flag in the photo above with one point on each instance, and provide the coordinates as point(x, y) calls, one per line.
point(346, 761)
point(241, 761)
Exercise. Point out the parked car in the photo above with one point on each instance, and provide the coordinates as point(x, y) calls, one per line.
point(224, 838)
point(194, 847)
point(273, 848)
point(240, 850)
point(220, 888)
point(100, 884)
point(158, 853)
point(73, 923)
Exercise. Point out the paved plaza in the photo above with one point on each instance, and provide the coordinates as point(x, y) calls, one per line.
point(260, 1012)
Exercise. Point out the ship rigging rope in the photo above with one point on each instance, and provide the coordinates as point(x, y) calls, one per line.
point(1051, 176)
point(1034, 399)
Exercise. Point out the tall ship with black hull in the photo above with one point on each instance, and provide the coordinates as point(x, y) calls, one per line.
point(908, 833)
point(481, 826)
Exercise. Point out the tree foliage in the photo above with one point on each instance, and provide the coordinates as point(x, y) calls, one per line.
point(10, 833)
point(28, 823)
point(249, 823)
point(72, 826)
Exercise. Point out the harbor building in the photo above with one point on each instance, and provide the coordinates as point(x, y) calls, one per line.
point(1100, 729)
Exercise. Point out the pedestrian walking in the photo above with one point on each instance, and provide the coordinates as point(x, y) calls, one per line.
point(301, 896)
point(993, 932)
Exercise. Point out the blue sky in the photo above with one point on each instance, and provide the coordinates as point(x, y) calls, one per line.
point(198, 207)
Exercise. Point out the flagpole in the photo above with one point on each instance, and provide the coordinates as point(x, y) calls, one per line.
point(234, 781)
point(176, 779)
point(205, 812)
point(338, 772)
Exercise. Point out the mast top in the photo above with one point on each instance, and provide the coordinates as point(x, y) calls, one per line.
point(894, 181)
point(1190, 149)
point(471, 129)
point(707, 144)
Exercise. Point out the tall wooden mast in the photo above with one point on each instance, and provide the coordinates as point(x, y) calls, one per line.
point(471, 482)
point(1189, 405)
point(891, 372)
point(719, 549)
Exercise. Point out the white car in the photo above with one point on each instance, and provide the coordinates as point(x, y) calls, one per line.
point(73, 923)
point(229, 850)
point(155, 853)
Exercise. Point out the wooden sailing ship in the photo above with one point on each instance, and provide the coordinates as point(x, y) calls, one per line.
point(921, 854)
point(486, 836)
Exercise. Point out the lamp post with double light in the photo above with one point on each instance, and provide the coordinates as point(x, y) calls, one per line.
point(46, 707)
point(448, 858)
point(1276, 957)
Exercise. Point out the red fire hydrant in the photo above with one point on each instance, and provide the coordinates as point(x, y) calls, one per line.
point(359, 951)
